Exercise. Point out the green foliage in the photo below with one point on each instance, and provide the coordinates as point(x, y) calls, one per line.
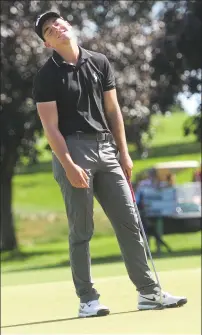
point(23, 54)
point(147, 67)
point(192, 125)
point(152, 61)
point(176, 56)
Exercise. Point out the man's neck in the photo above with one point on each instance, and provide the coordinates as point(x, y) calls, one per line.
point(70, 53)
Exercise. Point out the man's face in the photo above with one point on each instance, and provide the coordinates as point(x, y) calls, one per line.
point(56, 32)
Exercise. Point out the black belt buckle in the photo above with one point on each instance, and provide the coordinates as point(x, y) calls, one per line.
point(104, 137)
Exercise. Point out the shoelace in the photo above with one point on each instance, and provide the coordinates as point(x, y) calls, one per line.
point(164, 294)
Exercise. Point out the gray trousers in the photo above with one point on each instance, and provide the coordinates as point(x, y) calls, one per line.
point(108, 184)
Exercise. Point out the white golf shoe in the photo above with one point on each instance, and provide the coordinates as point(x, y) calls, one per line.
point(160, 299)
point(92, 308)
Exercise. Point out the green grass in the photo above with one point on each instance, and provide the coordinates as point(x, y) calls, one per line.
point(43, 258)
point(104, 249)
point(39, 192)
point(51, 306)
point(57, 274)
point(36, 190)
point(38, 204)
point(37, 201)
point(169, 129)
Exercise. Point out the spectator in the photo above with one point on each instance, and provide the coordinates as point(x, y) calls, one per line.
point(197, 175)
point(171, 180)
point(151, 179)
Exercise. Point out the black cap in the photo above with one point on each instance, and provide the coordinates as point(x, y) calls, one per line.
point(41, 20)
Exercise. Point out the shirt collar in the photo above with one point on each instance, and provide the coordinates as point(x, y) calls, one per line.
point(58, 60)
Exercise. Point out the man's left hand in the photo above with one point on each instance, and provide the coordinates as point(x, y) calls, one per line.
point(126, 164)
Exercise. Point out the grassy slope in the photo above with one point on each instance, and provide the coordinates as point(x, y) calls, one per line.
point(43, 239)
point(36, 192)
point(103, 250)
point(169, 129)
point(38, 201)
point(39, 192)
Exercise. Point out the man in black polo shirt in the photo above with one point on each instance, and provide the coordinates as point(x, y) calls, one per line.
point(77, 104)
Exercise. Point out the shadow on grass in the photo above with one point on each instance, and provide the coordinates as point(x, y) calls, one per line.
point(18, 255)
point(40, 322)
point(101, 260)
point(61, 320)
point(171, 150)
point(35, 168)
point(160, 151)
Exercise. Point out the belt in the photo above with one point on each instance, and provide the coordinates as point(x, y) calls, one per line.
point(99, 137)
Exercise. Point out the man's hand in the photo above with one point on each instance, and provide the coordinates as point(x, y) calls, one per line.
point(126, 164)
point(77, 176)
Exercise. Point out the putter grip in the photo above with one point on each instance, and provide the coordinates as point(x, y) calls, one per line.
point(131, 189)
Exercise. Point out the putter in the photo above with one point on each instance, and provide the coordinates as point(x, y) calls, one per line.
point(145, 237)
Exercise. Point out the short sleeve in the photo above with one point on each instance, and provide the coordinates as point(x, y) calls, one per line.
point(109, 79)
point(44, 89)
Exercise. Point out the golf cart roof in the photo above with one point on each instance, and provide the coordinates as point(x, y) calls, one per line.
point(176, 165)
point(165, 168)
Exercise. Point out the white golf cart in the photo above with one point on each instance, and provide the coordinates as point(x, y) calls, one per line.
point(173, 208)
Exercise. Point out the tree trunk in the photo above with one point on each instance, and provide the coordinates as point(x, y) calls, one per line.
point(8, 238)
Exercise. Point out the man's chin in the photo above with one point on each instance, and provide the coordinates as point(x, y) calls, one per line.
point(64, 40)
point(68, 35)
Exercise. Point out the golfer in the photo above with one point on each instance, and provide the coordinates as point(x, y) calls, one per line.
point(77, 103)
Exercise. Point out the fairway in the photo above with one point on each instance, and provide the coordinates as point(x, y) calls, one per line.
point(51, 308)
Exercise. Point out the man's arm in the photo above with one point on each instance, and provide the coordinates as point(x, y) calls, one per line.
point(49, 117)
point(116, 124)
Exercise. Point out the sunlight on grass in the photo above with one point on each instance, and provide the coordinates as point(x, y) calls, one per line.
point(169, 129)
point(104, 249)
point(38, 205)
point(38, 192)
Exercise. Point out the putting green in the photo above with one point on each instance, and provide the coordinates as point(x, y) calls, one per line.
point(51, 308)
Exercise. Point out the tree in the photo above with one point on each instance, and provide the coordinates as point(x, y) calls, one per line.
point(149, 58)
point(176, 58)
point(192, 125)
point(129, 50)
point(21, 56)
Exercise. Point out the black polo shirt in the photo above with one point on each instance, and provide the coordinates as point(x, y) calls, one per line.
point(77, 89)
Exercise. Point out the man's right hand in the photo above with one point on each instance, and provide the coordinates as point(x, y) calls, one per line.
point(77, 177)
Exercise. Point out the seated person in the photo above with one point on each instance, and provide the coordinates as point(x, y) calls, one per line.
point(171, 180)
